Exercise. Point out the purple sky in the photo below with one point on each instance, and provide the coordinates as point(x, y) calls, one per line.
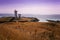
point(30, 6)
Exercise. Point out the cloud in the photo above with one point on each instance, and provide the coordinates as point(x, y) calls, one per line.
point(31, 6)
point(5, 2)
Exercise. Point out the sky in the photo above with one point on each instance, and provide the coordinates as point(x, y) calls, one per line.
point(40, 7)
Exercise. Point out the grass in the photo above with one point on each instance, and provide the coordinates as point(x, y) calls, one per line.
point(29, 31)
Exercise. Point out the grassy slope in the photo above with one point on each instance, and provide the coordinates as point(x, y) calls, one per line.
point(29, 31)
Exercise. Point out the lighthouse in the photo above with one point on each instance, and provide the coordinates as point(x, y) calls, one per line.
point(15, 11)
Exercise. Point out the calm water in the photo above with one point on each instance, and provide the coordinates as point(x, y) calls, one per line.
point(42, 18)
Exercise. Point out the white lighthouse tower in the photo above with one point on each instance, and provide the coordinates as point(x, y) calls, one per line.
point(15, 11)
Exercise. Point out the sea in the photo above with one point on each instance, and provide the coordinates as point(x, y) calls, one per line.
point(42, 18)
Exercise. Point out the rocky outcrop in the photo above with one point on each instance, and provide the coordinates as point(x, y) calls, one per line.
point(23, 19)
